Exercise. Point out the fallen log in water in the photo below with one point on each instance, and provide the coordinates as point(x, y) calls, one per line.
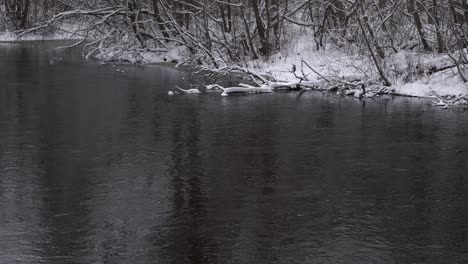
point(353, 85)
point(232, 90)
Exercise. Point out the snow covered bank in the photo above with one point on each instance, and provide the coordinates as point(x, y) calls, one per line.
point(411, 73)
point(332, 64)
point(175, 54)
point(14, 37)
point(63, 32)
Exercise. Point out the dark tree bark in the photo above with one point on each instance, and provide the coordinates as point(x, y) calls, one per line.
point(249, 36)
point(453, 12)
point(364, 25)
point(18, 12)
point(159, 20)
point(436, 21)
point(24, 14)
point(465, 10)
point(134, 20)
point(275, 22)
point(365, 21)
point(226, 16)
point(339, 12)
point(417, 22)
point(262, 31)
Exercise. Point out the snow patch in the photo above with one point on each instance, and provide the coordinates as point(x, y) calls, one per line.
point(405, 69)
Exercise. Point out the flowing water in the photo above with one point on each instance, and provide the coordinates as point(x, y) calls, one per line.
point(99, 165)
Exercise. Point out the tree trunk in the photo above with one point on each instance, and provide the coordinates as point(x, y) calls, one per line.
point(417, 22)
point(24, 14)
point(134, 20)
point(275, 21)
point(18, 12)
point(365, 20)
point(226, 16)
point(262, 32)
point(158, 19)
point(339, 11)
point(436, 21)
point(249, 36)
point(465, 10)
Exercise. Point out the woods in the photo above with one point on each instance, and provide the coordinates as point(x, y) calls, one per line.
point(218, 33)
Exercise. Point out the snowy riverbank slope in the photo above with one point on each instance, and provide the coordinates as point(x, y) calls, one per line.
point(63, 32)
point(403, 68)
point(409, 72)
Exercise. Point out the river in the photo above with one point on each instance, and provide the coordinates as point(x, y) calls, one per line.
point(99, 165)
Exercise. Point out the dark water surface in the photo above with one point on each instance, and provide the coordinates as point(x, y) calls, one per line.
point(101, 166)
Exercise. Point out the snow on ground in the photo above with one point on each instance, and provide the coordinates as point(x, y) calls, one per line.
point(65, 31)
point(402, 69)
point(445, 83)
point(330, 63)
point(175, 54)
point(326, 62)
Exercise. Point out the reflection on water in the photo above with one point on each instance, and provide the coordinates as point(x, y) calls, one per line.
point(100, 166)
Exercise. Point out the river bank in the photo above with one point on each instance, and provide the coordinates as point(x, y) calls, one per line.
point(411, 73)
point(62, 32)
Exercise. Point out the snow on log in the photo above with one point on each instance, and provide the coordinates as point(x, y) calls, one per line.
point(230, 90)
point(294, 85)
point(269, 87)
point(228, 69)
point(189, 91)
point(311, 84)
point(289, 85)
point(246, 85)
point(214, 87)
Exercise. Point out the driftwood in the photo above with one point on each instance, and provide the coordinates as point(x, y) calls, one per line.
point(446, 102)
point(352, 85)
point(244, 90)
point(434, 69)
